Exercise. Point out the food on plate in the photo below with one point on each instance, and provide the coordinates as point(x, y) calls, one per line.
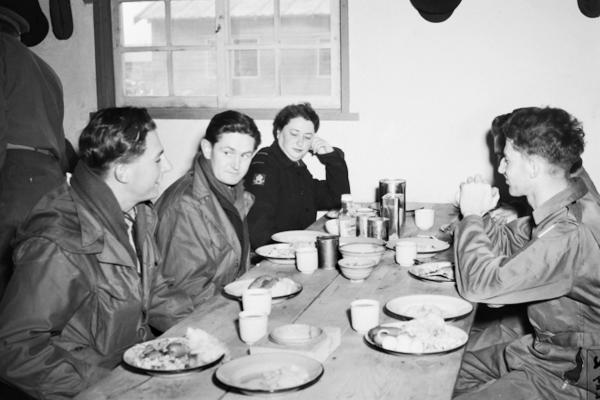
point(195, 349)
point(285, 250)
point(422, 310)
point(443, 269)
point(264, 282)
point(278, 378)
point(427, 334)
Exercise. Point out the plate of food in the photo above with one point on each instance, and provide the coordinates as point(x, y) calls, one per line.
point(168, 356)
point(425, 244)
point(279, 253)
point(268, 373)
point(420, 336)
point(437, 271)
point(420, 305)
point(297, 237)
point(296, 334)
point(281, 288)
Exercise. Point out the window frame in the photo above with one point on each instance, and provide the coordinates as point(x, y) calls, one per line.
point(105, 74)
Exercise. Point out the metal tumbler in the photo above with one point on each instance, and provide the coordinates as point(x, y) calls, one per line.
point(327, 247)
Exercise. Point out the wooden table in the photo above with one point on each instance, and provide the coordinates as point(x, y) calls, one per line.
point(353, 371)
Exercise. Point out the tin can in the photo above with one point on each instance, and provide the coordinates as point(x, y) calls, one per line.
point(377, 228)
point(327, 247)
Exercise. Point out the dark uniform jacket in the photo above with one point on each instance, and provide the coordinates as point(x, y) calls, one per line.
point(551, 261)
point(76, 301)
point(286, 195)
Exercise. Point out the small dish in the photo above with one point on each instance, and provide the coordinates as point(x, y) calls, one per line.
point(357, 269)
point(279, 253)
point(296, 334)
point(332, 226)
point(437, 271)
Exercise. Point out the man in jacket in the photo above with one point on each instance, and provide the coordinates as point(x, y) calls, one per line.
point(286, 195)
point(548, 260)
point(84, 263)
point(33, 158)
point(202, 230)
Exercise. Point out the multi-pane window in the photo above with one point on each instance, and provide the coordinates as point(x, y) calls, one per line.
point(227, 53)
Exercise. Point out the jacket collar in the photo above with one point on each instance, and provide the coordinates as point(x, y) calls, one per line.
point(281, 158)
point(573, 192)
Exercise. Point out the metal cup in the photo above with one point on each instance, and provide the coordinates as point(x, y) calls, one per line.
point(377, 228)
point(327, 246)
point(398, 188)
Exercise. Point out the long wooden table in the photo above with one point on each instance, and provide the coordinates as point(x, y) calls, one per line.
point(353, 371)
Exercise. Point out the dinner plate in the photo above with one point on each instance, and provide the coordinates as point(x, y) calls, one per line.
point(284, 289)
point(296, 334)
point(166, 365)
point(425, 244)
point(279, 253)
point(296, 236)
point(413, 306)
point(266, 373)
point(453, 339)
point(361, 239)
point(437, 271)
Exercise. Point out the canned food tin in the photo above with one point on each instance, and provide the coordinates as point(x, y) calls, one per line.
point(377, 228)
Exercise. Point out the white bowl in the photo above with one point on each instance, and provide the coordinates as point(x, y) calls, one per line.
point(363, 250)
point(357, 269)
point(332, 226)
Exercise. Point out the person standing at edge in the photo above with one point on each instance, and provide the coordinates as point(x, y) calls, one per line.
point(202, 230)
point(286, 195)
point(33, 158)
point(85, 260)
point(548, 260)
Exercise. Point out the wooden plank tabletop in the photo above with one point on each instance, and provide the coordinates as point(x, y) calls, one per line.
point(353, 371)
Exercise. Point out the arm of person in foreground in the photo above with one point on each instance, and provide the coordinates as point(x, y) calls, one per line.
point(336, 183)
point(262, 181)
point(43, 294)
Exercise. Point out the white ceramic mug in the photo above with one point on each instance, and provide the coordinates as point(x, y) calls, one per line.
point(257, 300)
point(307, 259)
point(406, 253)
point(253, 326)
point(364, 314)
point(424, 218)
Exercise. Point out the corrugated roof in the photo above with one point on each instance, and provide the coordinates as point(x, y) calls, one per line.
point(196, 9)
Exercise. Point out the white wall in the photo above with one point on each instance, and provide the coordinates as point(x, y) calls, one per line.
point(425, 93)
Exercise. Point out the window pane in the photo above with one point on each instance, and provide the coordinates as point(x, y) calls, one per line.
point(145, 74)
point(299, 73)
point(262, 83)
point(194, 73)
point(143, 23)
point(252, 19)
point(305, 21)
point(192, 22)
point(324, 62)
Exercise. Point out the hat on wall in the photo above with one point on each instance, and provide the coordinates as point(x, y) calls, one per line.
point(589, 8)
point(435, 10)
point(25, 14)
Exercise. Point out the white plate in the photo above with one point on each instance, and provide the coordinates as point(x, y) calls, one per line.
point(134, 360)
point(457, 336)
point(280, 253)
point(297, 236)
point(437, 271)
point(361, 239)
point(283, 289)
point(296, 334)
point(417, 305)
point(269, 373)
point(425, 244)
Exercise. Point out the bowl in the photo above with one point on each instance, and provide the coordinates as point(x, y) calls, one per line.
point(368, 251)
point(357, 269)
point(331, 226)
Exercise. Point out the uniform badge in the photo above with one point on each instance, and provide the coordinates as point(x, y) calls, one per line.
point(259, 179)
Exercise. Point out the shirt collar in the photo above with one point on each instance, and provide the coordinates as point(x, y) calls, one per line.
point(574, 191)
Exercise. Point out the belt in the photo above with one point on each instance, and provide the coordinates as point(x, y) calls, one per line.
point(10, 146)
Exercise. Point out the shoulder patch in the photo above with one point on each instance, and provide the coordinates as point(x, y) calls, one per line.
point(259, 179)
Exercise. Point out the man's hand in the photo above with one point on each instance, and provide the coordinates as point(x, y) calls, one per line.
point(477, 196)
point(504, 214)
point(320, 146)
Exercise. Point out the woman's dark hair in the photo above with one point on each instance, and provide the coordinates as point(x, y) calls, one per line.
point(114, 134)
point(551, 133)
point(231, 121)
point(292, 111)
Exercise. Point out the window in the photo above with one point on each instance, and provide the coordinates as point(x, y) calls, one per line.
point(190, 58)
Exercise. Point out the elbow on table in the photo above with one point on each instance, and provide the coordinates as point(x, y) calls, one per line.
point(474, 295)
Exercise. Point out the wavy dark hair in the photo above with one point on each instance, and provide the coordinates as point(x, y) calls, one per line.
point(292, 111)
point(551, 133)
point(231, 121)
point(115, 134)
